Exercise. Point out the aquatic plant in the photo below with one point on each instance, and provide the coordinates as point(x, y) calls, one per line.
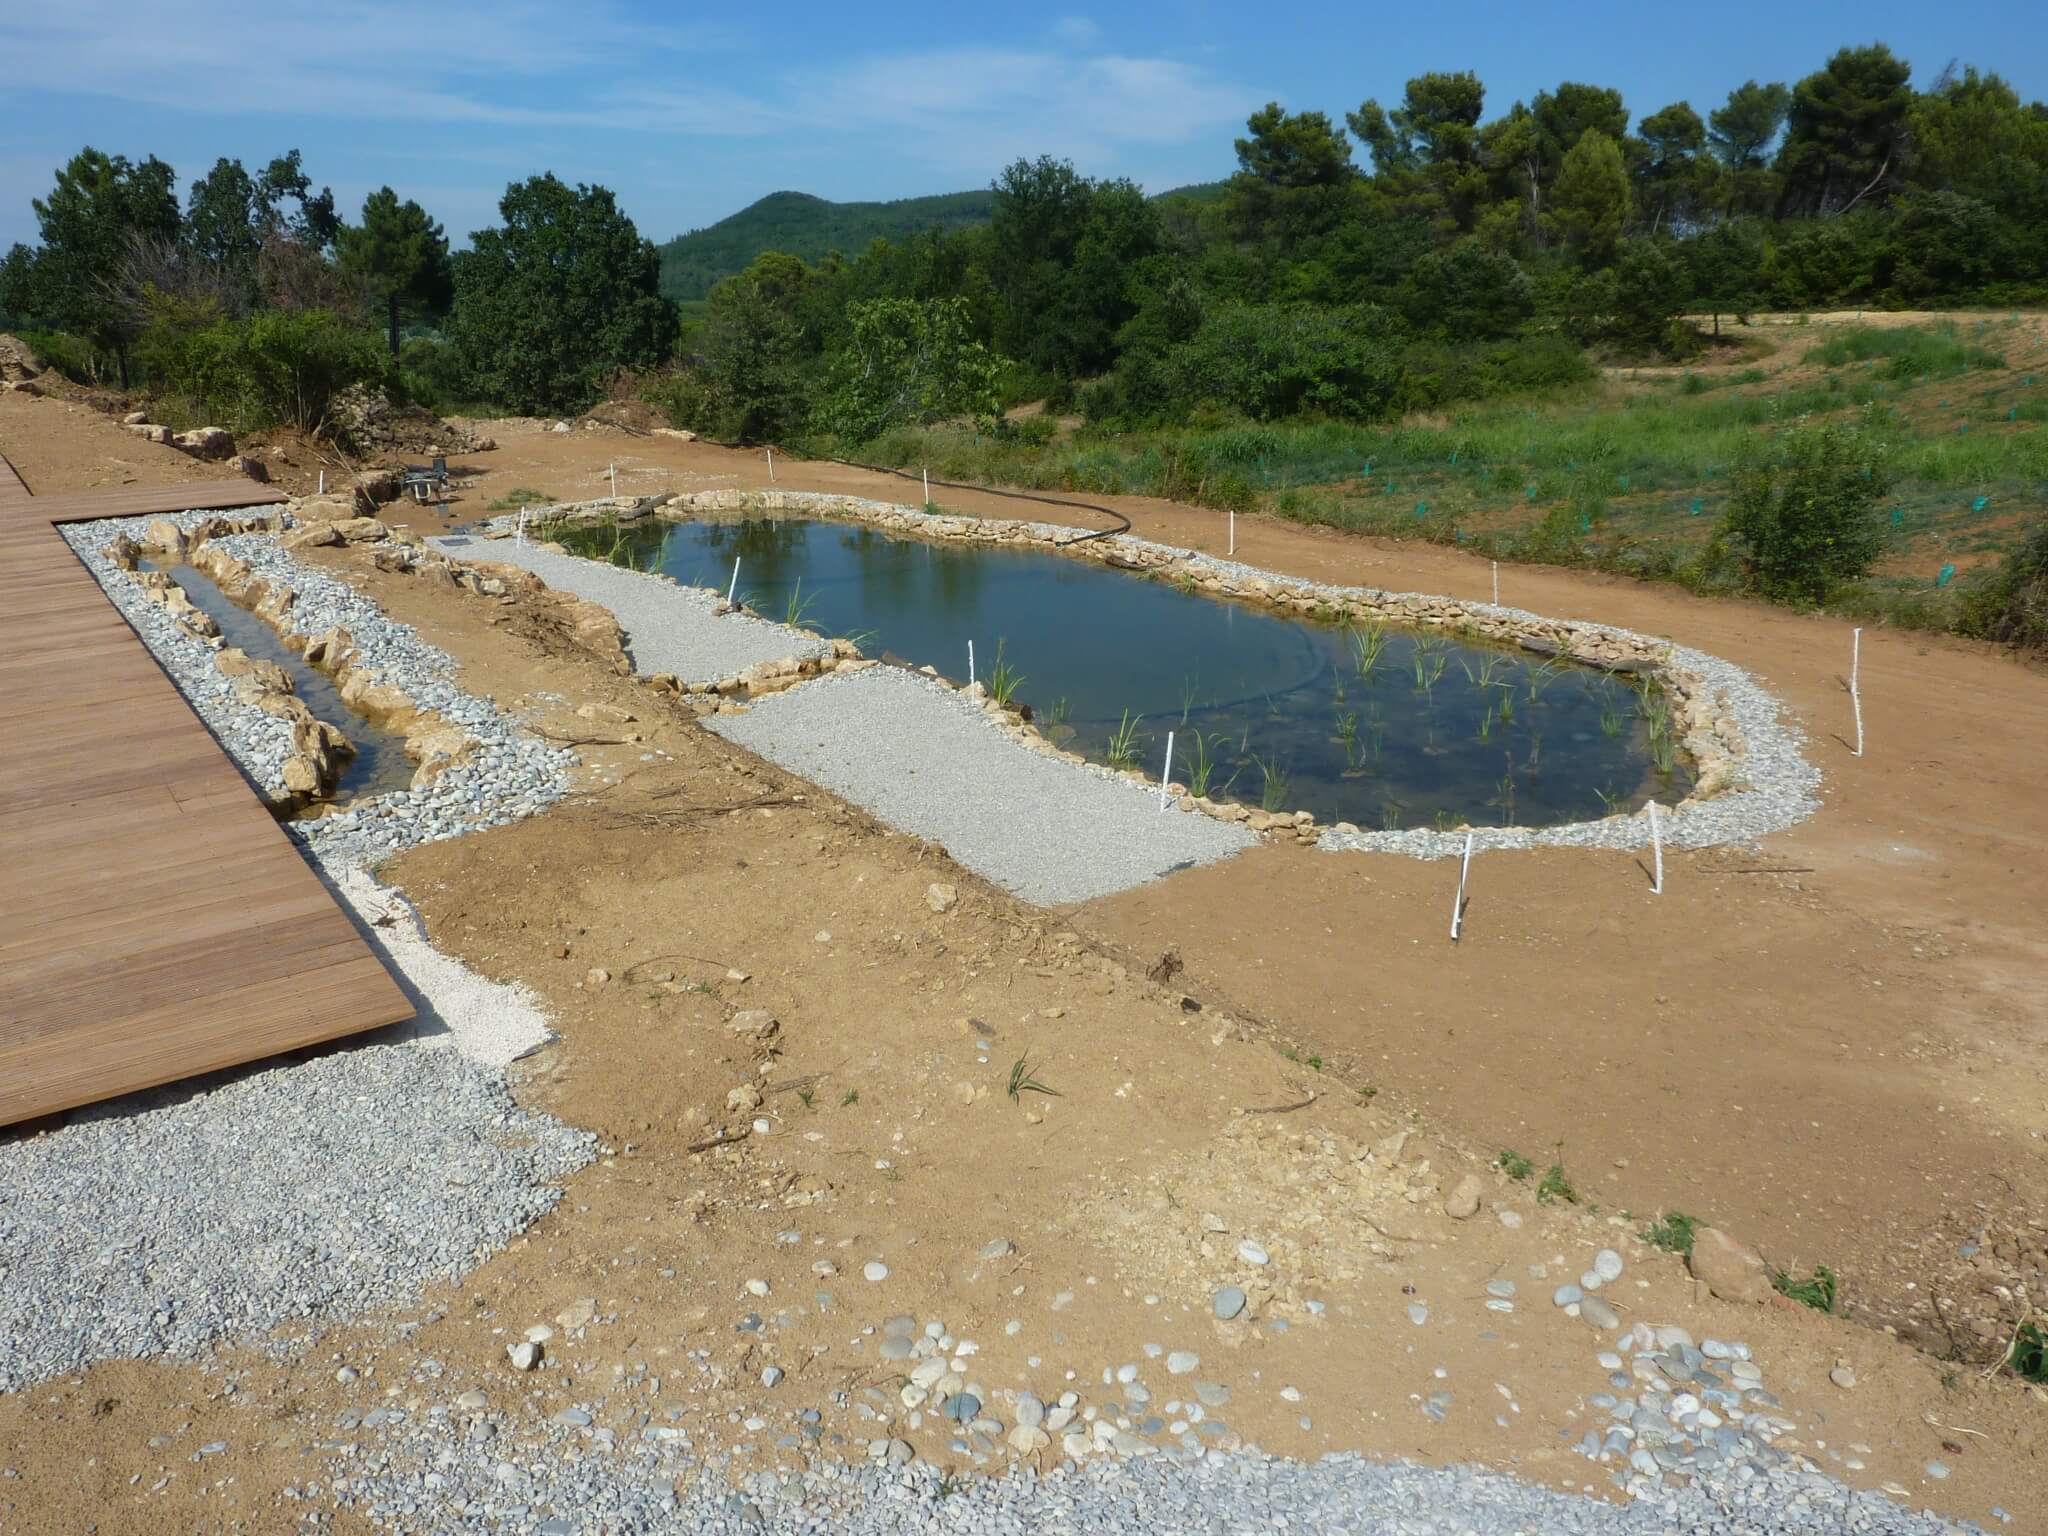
point(1123, 743)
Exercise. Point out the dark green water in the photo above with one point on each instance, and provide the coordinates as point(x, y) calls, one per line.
point(1285, 711)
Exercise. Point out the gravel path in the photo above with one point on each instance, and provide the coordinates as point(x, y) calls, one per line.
point(926, 760)
point(222, 1206)
point(433, 1474)
point(668, 627)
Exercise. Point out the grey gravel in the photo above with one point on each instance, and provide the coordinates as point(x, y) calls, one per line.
point(508, 775)
point(668, 627)
point(926, 760)
point(216, 1209)
point(424, 1475)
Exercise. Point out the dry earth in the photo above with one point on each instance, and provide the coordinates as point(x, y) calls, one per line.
point(1832, 1045)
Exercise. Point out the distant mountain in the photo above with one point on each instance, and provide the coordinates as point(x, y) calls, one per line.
point(806, 226)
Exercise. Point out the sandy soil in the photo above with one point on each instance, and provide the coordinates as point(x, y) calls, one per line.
point(1832, 1045)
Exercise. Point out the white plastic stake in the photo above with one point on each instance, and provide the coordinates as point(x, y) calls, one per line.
point(1657, 851)
point(1233, 530)
point(970, 663)
point(1496, 583)
point(1458, 908)
point(734, 585)
point(613, 471)
point(1856, 692)
point(1166, 773)
point(522, 527)
point(771, 463)
point(323, 482)
point(927, 485)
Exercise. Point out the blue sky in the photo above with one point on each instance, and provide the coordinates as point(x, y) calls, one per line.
point(690, 113)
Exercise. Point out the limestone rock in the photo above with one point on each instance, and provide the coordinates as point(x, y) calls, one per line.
point(941, 897)
point(1463, 1203)
point(135, 419)
point(374, 487)
point(1729, 1269)
point(360, 530)
point(205, 443)
point(324, 509)
point(164, 537)
point(255, 469)
point(312, 536)
point(149, 432)
point(301, 775)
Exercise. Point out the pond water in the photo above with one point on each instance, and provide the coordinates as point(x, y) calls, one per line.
point(379, 764)
point(1383, 727)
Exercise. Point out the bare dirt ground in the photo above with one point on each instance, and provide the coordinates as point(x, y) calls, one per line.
point(1833, 1045)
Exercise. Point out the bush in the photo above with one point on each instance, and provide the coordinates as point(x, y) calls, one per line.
point(430, 372)
point(2012, 605)
point(276, 368)
point(73, 356)
point(684, 396)
point(1275, 360)
point(1804, 512)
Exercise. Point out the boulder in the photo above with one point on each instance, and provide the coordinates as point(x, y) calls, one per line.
point(301, 775)
point(1463, 1201)
point(135, 419)
point(164, 537)
point(149, 432)
point(312, 536)
point(377, 486)
point(324, 509)
point(255, 469)
point(360, 530)
point(1730, 1269)
point(205, 443)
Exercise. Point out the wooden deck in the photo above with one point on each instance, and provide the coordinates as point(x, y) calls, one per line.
point(155, 921)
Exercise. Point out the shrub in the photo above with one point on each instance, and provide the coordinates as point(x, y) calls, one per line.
point(71, 355)
point(1804, 511)
point(2012, 604)
point(277, 367)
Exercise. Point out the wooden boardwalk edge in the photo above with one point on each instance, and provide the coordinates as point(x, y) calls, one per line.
point(136, 978)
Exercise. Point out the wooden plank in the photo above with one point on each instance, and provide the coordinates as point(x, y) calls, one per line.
point(155, 921)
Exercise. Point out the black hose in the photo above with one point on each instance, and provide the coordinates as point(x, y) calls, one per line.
point(1123, 523)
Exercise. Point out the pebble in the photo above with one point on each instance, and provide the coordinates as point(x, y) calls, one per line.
point(1842, 1377)
point(1252, 1253)
point(1418, 1313)
point(1566, 1295)
point(772, 1376)
point(525, 1355)
point(1607, 1264)
point(875, 1270)
point(1598, 1313)
point(1182, 1361)
point(1228, 1302)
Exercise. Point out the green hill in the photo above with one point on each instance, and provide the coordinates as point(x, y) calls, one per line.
point(805, 226)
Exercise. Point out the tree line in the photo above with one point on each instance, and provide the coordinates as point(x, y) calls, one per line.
point(1412, 254)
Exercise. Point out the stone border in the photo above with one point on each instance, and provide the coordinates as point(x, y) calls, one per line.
point(1752, 778)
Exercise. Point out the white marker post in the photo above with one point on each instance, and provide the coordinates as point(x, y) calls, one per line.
point(1233, 530)
point(1496, 583)
point(613, 471)
point(1657, 851)
point(521, 539)
point(1855, 690)
point(1166, 773)
point(771, 463)
point(927, 485)
point(970, 663)
point(734, 585)
point(1458, 908)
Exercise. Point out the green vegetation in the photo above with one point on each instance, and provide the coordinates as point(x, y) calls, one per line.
point(1023, 1080)
point(1514, 1165)
point(521, 496)
point(1003, 679)
point(809, 228)
point(1673, 1232)
point(1554, 1187)
point(2027, 1355)
point(1820, 1290)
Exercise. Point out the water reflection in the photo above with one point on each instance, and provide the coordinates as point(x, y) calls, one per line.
point(1377, 726)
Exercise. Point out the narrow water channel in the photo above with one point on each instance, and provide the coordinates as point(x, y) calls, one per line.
point(379, 765)
point(1384, 727)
